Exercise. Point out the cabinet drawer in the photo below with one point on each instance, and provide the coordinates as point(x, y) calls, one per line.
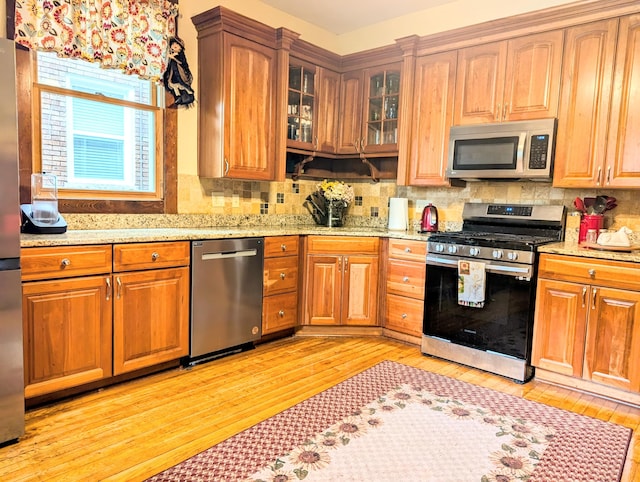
point(406, 278)
point(404, 315)
point(342, 244)
point(407, 249)
point(280, 275)
point(279, 312)
point(64, 262)
point(135, 256)
point(281, 246)
point(615, 274)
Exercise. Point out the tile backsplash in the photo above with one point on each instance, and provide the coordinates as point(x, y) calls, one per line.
point(219, 202)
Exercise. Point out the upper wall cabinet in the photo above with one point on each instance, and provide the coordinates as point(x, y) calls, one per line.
point(312, 108)
point(237, 99)
point(599, 118)
point(369, 107)
point(510, 80)
point(432, 114)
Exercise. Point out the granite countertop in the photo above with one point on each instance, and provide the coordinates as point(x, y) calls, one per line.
point(574, 249)
point(108, 236)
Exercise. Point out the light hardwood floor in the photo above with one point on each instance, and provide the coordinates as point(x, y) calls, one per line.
point(136, 429)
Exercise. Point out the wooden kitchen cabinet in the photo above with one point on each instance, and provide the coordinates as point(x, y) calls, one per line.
point(341, 281)
point(280, 296)
point(405, 286)
point(237, 99)
point(369, 111)
point(517, 79)
point(328, 115)
point(587, 325)
point(150, 304)
point(66, 299)
point(599, 124)
point(432, 117)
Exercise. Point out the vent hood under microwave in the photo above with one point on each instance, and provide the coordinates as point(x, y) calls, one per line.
point(520, 150)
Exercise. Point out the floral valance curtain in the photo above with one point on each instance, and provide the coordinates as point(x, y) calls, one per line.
point(131, 35)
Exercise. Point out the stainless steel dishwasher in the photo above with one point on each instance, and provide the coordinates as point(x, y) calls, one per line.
point(226, 296)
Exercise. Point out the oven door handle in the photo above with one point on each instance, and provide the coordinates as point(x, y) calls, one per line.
point(491, 268)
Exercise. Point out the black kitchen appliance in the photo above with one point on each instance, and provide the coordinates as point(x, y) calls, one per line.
point(501, 240)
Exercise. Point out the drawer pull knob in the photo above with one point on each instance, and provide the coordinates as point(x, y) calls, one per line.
point(282, 275)
point(404, 315)
point(65, 262)
point(155, 256)
point(405, 279)
point(283, 247)
point(407, 249)
point(281, 313)
point(592, 273)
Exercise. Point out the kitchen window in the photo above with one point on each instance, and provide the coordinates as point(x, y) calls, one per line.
point(98, 129)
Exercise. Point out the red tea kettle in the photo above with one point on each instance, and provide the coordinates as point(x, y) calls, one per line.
point(429, 223)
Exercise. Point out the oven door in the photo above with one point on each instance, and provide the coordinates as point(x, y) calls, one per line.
point(503, 325)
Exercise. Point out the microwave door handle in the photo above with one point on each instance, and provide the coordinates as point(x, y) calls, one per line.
point(521, 141)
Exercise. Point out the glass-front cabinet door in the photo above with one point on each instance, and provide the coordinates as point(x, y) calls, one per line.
point(301, 128)
point(382, 103)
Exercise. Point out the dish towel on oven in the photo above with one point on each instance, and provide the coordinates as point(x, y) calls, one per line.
point(471, 283)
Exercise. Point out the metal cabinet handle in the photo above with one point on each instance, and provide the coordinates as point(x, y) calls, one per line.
point(283, 247)
point(599, 176)
point(498, 112)
point(594, 291)
point(346, 263)
point(282, 276)
point(504, 111)
point(65, 262)
point(592, 273)
point(405, 279)
point(407, 249)
point(584, 296)
point(108, 282)
point(281, 313)
point(155, 256)
point(315, 143)
point(403, 316)
point(226, 166)
point(356, 144)
point(608, 175)
point(119, 292)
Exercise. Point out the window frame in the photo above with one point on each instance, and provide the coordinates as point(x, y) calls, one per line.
point(85, 201)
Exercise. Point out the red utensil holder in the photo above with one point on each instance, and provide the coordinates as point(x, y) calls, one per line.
point(587, 222)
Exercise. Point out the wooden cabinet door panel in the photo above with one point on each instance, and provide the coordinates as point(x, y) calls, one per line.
point(583, 114)
point(406, 278)
point(404, 315)
point(349, 125)
point(560, 324)
point(328, 104)
point(249, 109)
point(67, 333)
point(324, 287)
point(613, 338)
point(279, 312)
point(480, 83)
point(433, 103)
point(360, 290)
point(623, 147)
point(532, 76)
point(151, 318)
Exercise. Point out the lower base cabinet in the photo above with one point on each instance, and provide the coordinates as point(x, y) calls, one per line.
point(280, 283)
point(587, 325)
point(94, 312)
point(341, 281)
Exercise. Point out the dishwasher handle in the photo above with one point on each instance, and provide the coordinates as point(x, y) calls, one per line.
point(229, 254)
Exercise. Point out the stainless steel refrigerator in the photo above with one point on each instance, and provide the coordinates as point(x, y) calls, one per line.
point(11, 356)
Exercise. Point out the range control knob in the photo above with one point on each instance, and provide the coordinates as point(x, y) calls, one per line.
point(439, 248)
point(474, 251)
point(497, 253)
point(512, 255)
point(452, 249)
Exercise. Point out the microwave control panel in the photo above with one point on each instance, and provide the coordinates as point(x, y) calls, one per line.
point(539, 151)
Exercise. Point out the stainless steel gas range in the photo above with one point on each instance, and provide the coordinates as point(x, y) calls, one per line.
point(481, 284)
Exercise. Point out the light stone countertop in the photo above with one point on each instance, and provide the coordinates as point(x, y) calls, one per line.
point(110, 236)
point(574, 249)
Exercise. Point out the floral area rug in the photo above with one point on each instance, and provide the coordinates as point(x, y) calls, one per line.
point(393, 422)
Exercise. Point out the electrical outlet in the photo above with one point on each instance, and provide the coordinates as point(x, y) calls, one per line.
point(235, 201)
point(217, 199)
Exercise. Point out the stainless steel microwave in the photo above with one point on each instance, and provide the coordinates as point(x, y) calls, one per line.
point(508, 150)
